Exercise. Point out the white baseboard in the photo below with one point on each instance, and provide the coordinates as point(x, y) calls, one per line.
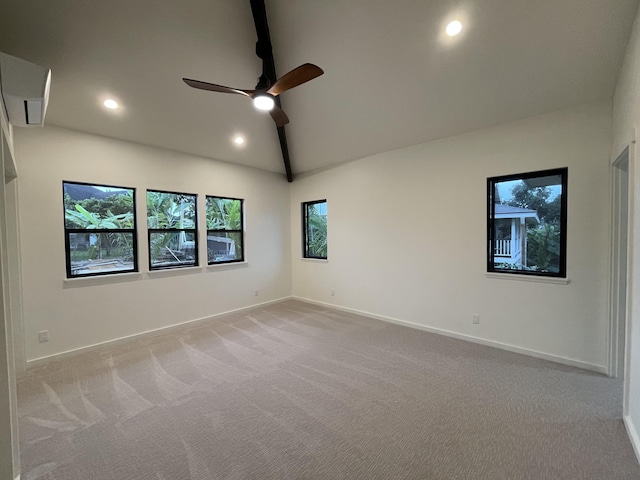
point(156, 331)
point(490, 343)
point(633, 435)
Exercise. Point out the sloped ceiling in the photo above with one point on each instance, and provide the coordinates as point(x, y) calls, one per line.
point(392, 78)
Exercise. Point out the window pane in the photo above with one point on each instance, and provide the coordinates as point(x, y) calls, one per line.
point(93, 253)
point(315, 229)
point(171, 210)
point(98, 207)
point(224, 213)
point(172, 248)
point(527, 227)
point(224, 246)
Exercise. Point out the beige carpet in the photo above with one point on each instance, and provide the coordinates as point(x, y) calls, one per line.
point(296, 391)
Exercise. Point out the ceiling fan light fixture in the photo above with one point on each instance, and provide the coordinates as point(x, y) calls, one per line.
point(264, 102)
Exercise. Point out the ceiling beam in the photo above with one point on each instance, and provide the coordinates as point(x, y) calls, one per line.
point(265, 52)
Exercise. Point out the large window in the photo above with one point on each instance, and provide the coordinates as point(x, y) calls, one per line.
point(171, 222)
point(99, 228)
point(314, 225)
point(527, 223)
point(225, 242)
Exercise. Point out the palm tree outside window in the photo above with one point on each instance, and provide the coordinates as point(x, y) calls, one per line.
point(314, 218)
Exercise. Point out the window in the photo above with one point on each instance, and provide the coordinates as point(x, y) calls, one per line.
point(225, 240)
point(314, 221)
point(171, 220)
point(527, 223)
point(100, 229)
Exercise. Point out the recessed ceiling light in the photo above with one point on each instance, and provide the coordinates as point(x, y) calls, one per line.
point(454, 28)
point(111, 103)
point(238, 140)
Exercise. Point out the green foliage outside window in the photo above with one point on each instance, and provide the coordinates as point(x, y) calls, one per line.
point(171, 219)
point(543, 239)
point(225, 238)
point(315, 227)
point(100, 228)
point(170, 210)
point(224, 213)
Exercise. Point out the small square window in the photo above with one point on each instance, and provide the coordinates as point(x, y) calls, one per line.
point(527, 223)
point(314, 221)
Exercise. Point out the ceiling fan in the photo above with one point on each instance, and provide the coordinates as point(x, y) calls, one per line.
point(264, 94)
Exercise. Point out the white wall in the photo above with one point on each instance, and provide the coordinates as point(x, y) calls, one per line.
point(83, 312)
point(407, 236)
point(626, 118)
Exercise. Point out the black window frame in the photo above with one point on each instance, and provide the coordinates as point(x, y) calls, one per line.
point(305, 230)
point(214, 231)
point(491, 182)
point(194, 230)
point(70, 231)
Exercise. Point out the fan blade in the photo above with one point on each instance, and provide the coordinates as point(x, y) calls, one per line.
point(295, 77)
point(212, 87)
point(279, 116)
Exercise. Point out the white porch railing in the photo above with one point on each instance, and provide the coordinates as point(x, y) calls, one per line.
point(502, 248)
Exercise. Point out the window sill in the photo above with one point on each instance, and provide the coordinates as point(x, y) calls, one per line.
point(315, 260)
point(101, 279)
point(226, 266)
point(169, 272)
point(528, 278)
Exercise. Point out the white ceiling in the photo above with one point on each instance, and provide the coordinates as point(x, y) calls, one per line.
point(391, 78)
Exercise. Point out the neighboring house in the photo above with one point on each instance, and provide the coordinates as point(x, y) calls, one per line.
point(222, 248)
point(81, 241)
point(511, 233)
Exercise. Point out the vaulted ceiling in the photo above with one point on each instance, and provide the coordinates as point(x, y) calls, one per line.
point(392, 77)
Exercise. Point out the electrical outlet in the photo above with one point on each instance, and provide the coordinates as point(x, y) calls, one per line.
point(255, 293)
point(333, 292)
point(43, 336)
point(475, 319)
